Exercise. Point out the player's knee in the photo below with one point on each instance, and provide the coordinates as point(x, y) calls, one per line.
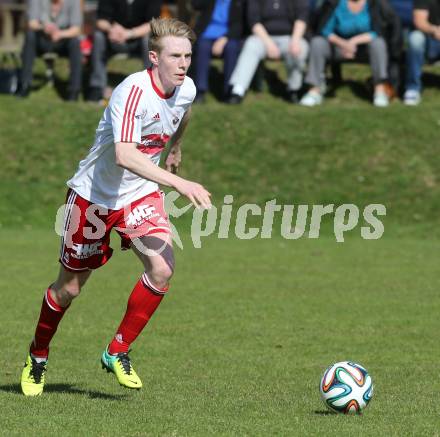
point(160, 275)
point(72, 290)
point(68, 285)
point(65, 293)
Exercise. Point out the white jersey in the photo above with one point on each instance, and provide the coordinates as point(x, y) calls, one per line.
point(138, 112)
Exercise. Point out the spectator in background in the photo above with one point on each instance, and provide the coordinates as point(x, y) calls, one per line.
point(219, 29)
point(404, 10)
point(423, 41)
point(122, 26)
point(353, 29)
point(278, 28)
point(53, 26)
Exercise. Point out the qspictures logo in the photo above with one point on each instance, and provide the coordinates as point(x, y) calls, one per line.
point(293, 221)
point(245, 222)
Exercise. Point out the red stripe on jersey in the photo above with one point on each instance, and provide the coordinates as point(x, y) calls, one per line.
point(130, 115)
point(127, 104)
point(133, 114)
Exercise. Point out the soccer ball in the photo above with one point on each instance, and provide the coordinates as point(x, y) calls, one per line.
point(346, 387)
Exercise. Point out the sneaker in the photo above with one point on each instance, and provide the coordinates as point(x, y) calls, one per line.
point(72, 96)
point(412, 97)
point(234, 99)
point(292, 97)
point(120, 365)
point(312, 98)
point(95, 95)
point(381, 99)
point(32, 377)
point(200, 98)
point(23, 91)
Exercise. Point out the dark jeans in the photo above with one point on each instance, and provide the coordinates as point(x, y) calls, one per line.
point(103, 49)
point(38, 43)
point(419, 47)
point(203, 59)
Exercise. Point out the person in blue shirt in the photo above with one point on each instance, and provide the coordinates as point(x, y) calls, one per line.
point(220, 28)
point(351, 29)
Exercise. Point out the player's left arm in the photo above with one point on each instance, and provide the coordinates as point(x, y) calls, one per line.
point(174, 156)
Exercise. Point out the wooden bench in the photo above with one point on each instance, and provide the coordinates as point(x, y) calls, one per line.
point(12, 16)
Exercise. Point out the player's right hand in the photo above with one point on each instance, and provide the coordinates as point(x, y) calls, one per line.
point(195, 192)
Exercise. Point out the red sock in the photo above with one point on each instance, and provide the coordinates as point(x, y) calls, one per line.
point(142, 303)
point(50, 315)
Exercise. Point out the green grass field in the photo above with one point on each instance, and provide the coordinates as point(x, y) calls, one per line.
point(240, 343)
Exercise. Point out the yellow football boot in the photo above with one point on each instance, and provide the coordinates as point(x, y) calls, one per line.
point(32, 377)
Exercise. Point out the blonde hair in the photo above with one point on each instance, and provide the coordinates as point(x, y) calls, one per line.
point(161, 27)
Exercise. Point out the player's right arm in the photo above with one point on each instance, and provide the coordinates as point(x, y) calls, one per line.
point(128, 156)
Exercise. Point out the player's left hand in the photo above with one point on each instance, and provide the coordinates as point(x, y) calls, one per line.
point(173, 159)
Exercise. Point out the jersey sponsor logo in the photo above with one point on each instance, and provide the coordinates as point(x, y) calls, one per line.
point(153, 143)
point(175, 120)
point(140, 214)
point(156, 117)
point(87, 250)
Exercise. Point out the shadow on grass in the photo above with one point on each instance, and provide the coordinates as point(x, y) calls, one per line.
point(359, 88)
point(324, 413)
point(60, 85)
point(65, 388)
point(430, 80)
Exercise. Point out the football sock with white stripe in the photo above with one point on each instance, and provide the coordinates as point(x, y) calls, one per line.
point(50, 316)
point(142, 304)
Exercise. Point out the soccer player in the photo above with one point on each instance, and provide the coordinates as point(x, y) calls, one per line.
point(116, 186)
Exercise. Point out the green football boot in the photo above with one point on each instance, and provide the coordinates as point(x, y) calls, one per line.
point(120, 365)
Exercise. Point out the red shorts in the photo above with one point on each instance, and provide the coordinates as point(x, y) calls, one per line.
point(85, 243)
